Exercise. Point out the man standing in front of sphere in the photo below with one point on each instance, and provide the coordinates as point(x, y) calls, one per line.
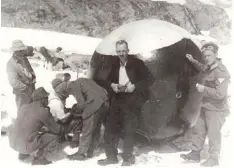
point(129, 84)
point(214, 105)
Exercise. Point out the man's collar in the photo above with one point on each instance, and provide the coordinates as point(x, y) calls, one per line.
point(60, 95)
point(17, 58)
point(213, 66)
point(123, 65)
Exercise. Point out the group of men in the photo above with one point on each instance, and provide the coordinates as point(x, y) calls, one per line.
point(43, 121)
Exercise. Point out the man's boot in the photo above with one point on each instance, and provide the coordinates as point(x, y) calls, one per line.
point(40, 161)
point(74, 144)
point(130, 161)
point(90, 153)
point(193, 156)
point(77, 156)
point(23, 157)
point(75, 140)
point(211, 161)
point(107, 161)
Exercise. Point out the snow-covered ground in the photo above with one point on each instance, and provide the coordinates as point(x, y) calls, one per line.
point(52, 40)
point(147, 156)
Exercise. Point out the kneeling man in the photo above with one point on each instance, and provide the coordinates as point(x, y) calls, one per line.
point(26, 137)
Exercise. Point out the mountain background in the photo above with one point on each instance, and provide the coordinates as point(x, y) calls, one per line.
point(97, 18)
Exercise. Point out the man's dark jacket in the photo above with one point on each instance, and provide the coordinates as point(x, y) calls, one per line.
point(88, 95)
point(138, 75)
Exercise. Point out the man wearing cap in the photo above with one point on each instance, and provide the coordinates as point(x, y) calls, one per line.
point(20, 74)
point(92, 100)
point(26, 137)
point(62, 115)
point(66, 77)
point(214, 106)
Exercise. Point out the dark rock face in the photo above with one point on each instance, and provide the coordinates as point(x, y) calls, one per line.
point(99, 17)
point(171, 72)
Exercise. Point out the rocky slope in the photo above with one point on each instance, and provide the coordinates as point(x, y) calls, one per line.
point(98, 17)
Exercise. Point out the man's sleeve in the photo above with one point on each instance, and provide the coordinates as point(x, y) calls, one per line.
point(57, 109)
point(219, 92)
point(79, 96)
point(112, 75)
point(86, 92)
point(199, 66)
point(48, 120)
point(14, 79)
point(142, 71)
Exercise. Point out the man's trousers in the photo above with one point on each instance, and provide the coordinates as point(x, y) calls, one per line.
point(209, 124)
point(91, 128)
point(122, 116)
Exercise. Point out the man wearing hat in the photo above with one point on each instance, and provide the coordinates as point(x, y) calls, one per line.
point(20, 74)
point(214, 108)
point(62, 115)
point(26, 137)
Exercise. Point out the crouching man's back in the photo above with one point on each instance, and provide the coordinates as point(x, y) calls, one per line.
point(27, 125)
point(92, 100)
point(26, 136)
point(86, 91)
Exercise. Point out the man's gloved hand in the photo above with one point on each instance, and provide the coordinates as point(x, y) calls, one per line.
point(80, 108)
point(77, 110)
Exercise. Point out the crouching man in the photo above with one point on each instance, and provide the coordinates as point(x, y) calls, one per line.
point(26, 137)
point(61, 114)
point(92, 100)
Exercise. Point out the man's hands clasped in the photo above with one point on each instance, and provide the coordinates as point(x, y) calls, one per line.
point(128, 88)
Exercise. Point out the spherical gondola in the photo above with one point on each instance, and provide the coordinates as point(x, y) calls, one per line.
point(163, 47)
